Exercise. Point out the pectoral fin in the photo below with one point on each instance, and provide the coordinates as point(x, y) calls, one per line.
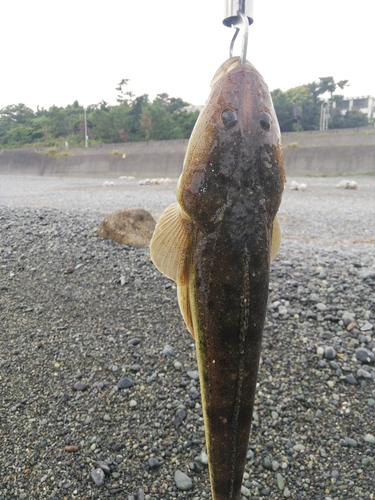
point(170, 244)
point(275, 239)
point(170, 250)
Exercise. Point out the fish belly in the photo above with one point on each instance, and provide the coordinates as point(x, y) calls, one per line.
point(231, 289)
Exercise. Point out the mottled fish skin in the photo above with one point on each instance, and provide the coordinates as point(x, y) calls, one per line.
point(228, 196)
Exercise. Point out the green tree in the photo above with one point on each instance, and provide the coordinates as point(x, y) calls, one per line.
point(284, 110)
point(352, 119)
point(122, 96)
point(145, 124)
point(328, 85)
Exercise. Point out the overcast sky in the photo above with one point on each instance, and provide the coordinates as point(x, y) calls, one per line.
point(54, 52)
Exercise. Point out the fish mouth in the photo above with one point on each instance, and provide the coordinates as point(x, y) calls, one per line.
point(230, 65)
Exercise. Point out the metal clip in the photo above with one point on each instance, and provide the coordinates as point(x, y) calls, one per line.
point(244, 23)
point(239, 14)
point(233, 7)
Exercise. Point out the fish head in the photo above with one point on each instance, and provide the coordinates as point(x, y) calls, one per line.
point(235, 148)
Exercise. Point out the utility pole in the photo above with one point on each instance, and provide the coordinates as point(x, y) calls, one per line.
point(324, 115)
point(86, 136)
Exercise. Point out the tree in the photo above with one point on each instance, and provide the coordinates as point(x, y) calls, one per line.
point(124, 97)
point(145, 124)
point(352, 119)
point(284, 110)
point(328, 84)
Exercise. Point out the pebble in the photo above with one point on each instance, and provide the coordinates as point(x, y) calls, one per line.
point(193, 374)
point(168, 351)
point(369, 438)
point(80, 386)
point(329, 353)
point(98, 476)
point(351, 442)
point(134, 342)
point(125, 383)
point(280, 481)
point(71, 448)
point(367, 327)
point(183, 482)
point(321, 307)
point(203, 457)
point(367, 274)
point(350, 379)
point(320, 351)
point(100, 464)
point(299, 447)
point(267, 463)
point(364, 355)
point(153, 463)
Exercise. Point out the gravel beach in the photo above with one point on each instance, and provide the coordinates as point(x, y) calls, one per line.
point(99, 391)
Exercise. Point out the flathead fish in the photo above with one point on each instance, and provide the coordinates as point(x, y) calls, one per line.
point(216, 243)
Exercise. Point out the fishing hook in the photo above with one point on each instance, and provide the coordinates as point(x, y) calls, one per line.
point(244, 23)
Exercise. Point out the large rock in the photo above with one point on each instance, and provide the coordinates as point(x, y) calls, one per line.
point(132, 226)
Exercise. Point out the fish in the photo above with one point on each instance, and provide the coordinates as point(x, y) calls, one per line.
point(216, 242)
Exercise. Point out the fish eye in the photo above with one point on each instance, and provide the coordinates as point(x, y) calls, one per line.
point(229, 118)
point(265, 121)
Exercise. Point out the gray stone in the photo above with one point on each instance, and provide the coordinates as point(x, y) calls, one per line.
point(98, 476)
point(348, 316)
point(350, 379)
point(168, 351)
point(367, 327)
point(153, 463)
point(369, 438)
point(363, 374)
point(366, 274)
point(203, 457)
point(351, 442)
point(183, 482)
point(193, 374)
point(267, 463)
point(280, 481)
point(298, 447)
point(134, 341)
point(80, 386)
point(100, 464)
point(125, 382)
point(329, 352)
point(245, 491)
point(364, 355)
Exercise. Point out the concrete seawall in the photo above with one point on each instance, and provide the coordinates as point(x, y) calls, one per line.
point(324, 153)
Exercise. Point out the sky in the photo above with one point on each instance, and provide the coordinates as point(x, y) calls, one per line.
point(56, 52)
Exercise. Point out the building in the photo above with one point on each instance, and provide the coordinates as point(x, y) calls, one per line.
point(365, 104)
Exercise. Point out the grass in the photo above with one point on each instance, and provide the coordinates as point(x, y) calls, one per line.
point(56, 152)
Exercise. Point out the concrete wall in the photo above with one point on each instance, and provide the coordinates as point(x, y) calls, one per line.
point(330, 152)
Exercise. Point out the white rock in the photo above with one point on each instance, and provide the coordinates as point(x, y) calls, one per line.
point(343, 184)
